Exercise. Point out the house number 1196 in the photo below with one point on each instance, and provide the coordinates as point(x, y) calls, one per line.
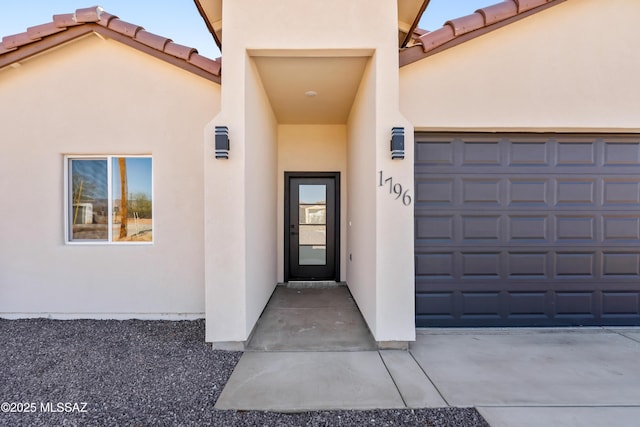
point(395, 188)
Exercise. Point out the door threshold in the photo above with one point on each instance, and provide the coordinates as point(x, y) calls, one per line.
point(313, 284)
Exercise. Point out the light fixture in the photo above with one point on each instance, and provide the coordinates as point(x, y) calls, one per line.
point(311, 94)
point(222, 142)
point(397, 143)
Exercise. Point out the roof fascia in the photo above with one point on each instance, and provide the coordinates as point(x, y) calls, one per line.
point(73, 33)
point(407, 38)
point(203, 14)
point(416, 53)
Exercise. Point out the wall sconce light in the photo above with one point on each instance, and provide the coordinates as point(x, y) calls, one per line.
point(222, 142)
point(397, 143)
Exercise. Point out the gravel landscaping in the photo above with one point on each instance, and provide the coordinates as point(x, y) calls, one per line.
point(146, 373)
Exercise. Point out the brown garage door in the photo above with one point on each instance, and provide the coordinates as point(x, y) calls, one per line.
point(527, 229)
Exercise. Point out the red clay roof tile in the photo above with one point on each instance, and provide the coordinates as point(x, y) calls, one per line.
point(88, 14)
point(65, 20)
point(467, 27)
point(466, 23)
point(125, 28)
point(16, 40)
point(205, 63)
point(524, 5)
point(65, 27)
point(437, 38)
point(152, 40)
point(498, 12)
point(40, 31)
point(179, 51)
point(105, 18)
point(4, 50)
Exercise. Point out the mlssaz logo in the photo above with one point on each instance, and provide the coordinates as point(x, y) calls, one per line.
point(63, 407)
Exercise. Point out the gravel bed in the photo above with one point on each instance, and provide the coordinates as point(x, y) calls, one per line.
point(147, 373)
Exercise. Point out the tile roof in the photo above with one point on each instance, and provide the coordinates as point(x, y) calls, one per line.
point(67, 27)
point(480, 22)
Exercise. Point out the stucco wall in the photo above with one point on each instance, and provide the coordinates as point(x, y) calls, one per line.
point(312, 148)
point(574, 66)
point(361, 226)
point(261, 180)
point(96, 96)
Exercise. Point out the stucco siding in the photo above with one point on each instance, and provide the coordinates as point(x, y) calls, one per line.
point(313, 148)
point(261, 168)
point(573, 66)
point(97, 96)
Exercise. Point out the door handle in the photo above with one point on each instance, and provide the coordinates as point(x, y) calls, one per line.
point(294, 233)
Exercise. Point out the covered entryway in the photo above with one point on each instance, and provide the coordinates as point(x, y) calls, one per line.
point(527, 229)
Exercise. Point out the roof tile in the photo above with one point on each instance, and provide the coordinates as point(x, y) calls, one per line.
point(152, 40)
point(16, 40)
point(88, 14)
point(480, 22)
point(39, 31)
point(179, 51)
point(97, 20)
point(65, 20)
point(524, 5)
point(437, 38)
point(105, 18)
point(466, 23)
point(4, 50)
point(205, 63)
point(498, 12)
point(125, 28)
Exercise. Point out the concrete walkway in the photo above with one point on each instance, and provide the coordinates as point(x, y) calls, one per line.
point(515, 377)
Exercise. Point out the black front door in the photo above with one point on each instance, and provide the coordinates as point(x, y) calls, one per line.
point(311, 226)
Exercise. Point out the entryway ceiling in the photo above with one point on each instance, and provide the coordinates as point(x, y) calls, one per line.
point(311, 90)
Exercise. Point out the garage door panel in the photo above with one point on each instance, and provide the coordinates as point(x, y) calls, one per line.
point(575, 191)
point(480, 227)
point(528, 304)
point(577, 227)
point(575, 265)
point(528, 191)
point(435, 265)
point(436, 191)
point(480, 190)
point(576, 154)
point(436, 153)
point(621, 228)
point(575, 305)
point(616, 154)
point(621, 191)
point(529, 265)
point(529, 228)
point(621, 304)
point(520, 229)
point(481, 153)
point(529, 153)
point(437, 304)
point(621, 264)
point(480, 304)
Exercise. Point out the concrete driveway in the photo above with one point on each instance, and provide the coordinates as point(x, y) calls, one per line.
point(535, 377)
point(514, 377)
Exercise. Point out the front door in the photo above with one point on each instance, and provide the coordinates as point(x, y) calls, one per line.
point(311, 226)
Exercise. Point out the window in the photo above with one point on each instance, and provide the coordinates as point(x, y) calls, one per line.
point(109, 199)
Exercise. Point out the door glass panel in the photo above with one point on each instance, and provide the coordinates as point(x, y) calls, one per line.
point(313, 234)
point(313, 194)
point(313, 214)
point(313, 255)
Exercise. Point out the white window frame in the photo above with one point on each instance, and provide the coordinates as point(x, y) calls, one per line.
point(67, 202)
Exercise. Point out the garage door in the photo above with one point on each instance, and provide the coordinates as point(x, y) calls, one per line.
point(527, 229)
